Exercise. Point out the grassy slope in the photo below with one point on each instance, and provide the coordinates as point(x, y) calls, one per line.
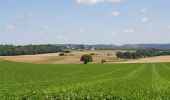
point(113, 81)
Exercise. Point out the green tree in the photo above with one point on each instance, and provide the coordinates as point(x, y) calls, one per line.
point(86, 59)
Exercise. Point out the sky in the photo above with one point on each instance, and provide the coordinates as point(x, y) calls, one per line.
point(84, 21)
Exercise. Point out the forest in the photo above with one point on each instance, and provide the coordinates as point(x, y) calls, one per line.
point(142, 53)
point(12, 50)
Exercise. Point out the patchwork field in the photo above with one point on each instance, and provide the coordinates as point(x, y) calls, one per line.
point(72, 58)
point(78, 81)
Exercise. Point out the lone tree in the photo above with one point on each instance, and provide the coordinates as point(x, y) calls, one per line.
point(86, 59)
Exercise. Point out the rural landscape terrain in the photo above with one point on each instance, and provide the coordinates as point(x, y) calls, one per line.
point(62, 75)
point(84, 50)
point(76, 81)
point(74, 58)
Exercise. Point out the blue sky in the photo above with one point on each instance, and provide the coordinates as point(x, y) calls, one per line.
point(84, 21)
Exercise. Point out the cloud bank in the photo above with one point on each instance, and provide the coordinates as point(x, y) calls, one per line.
point(94, 2)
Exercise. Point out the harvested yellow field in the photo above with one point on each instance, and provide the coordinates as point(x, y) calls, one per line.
point(30, 58)
point(72, 58)
point(150, 60)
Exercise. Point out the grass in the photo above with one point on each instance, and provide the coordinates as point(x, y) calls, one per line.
point(76, 81)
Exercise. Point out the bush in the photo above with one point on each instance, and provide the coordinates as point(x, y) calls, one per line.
point(86, 59)
point(67, 51)
point(103, 61)
point(62, 54)
point(71, 54)
point(92, 54)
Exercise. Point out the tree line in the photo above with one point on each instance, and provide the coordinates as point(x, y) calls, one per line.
point(142, 53)
point(12, 50)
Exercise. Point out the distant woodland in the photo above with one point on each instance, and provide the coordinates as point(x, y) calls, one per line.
point(143, 53)
point(11, 50)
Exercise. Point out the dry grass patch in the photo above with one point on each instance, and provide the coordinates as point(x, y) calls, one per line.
point(150, 60)
point(73, 58)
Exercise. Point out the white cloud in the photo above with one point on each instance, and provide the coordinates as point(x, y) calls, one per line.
point(114, 1)
point(46, 27)
point(144, 10)
point(130, 30)
point(167, 27)
point(83, 30)
point(41, 34)
point(150, 29)
point(88, 2)
point(10, 27)
point(144, 19)
point(115, 13)
point(93, 2)
point(113, 33)
point(24, 16)
point(59, 37)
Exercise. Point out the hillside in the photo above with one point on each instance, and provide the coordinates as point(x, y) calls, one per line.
point(145, 46)
point(125, 46)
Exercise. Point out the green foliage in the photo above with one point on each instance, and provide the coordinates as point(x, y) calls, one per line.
point(142, 53)
point(86, 58)
point(62, 54)
point(20, 81)
point(80, 47)
point(11, 50)
point(103, 61)
point(92, 54)
point(66, 51)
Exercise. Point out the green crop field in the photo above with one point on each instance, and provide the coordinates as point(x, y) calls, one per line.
point(94, 82)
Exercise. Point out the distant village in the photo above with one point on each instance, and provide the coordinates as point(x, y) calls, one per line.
point(79, 47)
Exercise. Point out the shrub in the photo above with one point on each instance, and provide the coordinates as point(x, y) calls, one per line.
point(67, 51)
point(62, 54)
point(92, 54)
point(71, 54)
point(103, 61)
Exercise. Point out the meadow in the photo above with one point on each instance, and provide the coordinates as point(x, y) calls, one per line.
point(22, 81)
